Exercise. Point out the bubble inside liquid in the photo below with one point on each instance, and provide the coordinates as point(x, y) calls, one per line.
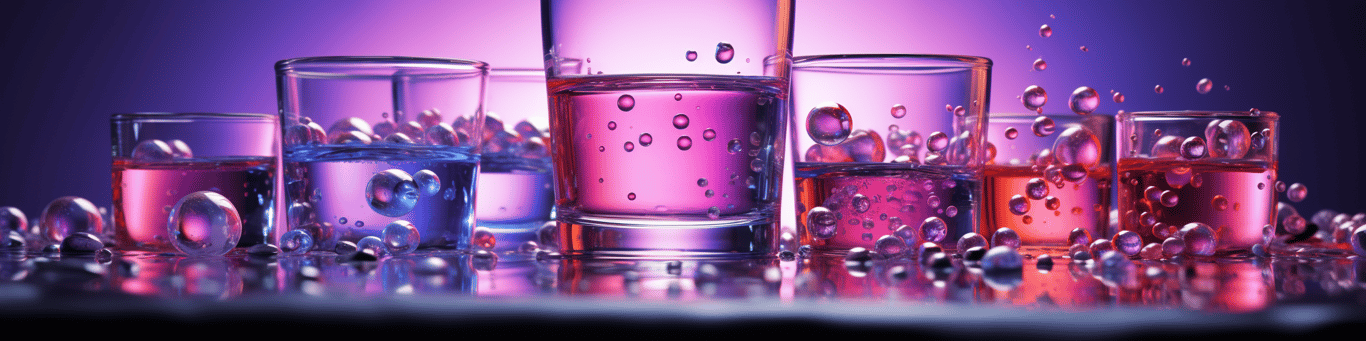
point(204, 223)
point(392, 193)
point(829, 124)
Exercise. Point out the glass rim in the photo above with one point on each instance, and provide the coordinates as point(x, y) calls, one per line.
point(186, 117)
point(1199, 114)
point(883, 61)
point(331, 65)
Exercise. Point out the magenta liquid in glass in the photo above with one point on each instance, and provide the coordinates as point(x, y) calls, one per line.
point(659, 165)
point(145, 192)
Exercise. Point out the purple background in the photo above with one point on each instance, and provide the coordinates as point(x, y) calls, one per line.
point(69, 64)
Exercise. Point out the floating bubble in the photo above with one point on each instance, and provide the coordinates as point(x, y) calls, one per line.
point(1199, 239)
point(1118, 97)
point(1185, 62)
point(960, 111)
point(646, 139)
point(443, 134)
point(1294, 224)
point(1040, 65)
point(12, 219)
point(1358, 241)
point(611, 125)
point(392, 193)
point(829, 124)
point(889, 246)
point(1157, 89)
point(734, 146)
point(1128, 243)
point(934, 229)
point(427, 181)
point(626, 102)
point(1229, 138)
point(860, 203)
point(864, 146)
point(1204, 86)
point(1296, 192)
point(937, 141)
point(631, 196)
point(724, 52)
point(1011, 133)
point(1193, 148)
point(1078, 145)
point(708, 134)
point(1051, 202)
point(1079, 236)
point(714, 212)
point(372, 245)
point(629, 146)
point(1169, 198)
point(402, 237)
point(1006, 236)
point(297, 241)
point(67, 215)
point(1034, 98)
point(684, 143)
point(898, 111)
point(203, 223)
point(153, 151)
point(1019, 205)
point(1045, 31)
point(821, 222)
point(970, 240)
point(1167, 147)
point(1002, 258)
point(1084, 100)
point(1219, 203)
point(1043, 126)
point(483, 238)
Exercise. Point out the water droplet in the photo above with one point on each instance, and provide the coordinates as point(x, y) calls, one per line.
point(1005, 236)
point(1220, 203)
point(709, 193)
point(734, 146)
point(646, 140)
point(1193, 148)
point(1157, 89)
point(724, 52)
point(1084, 100)
point(1036, 188)
point(821, 222)
point(708, 134)
point(680, 121)
point(932, 201)
point(631, 196)
point(1169, 199)
point(68, 215)
point(829, 124)
point(296, 242)
point(1043, 126)
point(626, 102)
point(1051, 202)
point(201, 224)
point(1204, 86)
point(1297, 192)
point(1045, 31)
point(611, 125)
point(629, 146)
point(684, 143)
point(428, 182)
point(1118, 97)
point(937, 141)
point(1079, 236)
point(1002, 259)
point(1128, 243)
point(691, 55)
point(1185, 62)
point(1011, 133)
point(1040, 65)
point(392, 193)
point(1019, 205)
point(1199, 239)
point(402, 237)
point(934, 229)
point(960, 111)
point(1034, 98)
point(971, 240)
point(153, 151)
point(1078, 146)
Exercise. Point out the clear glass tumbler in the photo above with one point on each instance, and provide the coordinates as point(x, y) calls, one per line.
point(888, 150)
point(371, 142)
point(1206, 179)
point(667, 124)
point(160, 158)
point(516, 193)
point(1047, 175)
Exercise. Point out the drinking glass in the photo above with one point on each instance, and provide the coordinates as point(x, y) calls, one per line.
point(377, 142)
point(515, 188)
point(888, 150)
point(160, 158)
point(667, 124)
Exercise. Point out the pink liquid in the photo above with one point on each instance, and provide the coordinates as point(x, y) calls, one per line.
point(144, 194)
point(685, 163)
point(1233, 198)
point(1084, 204)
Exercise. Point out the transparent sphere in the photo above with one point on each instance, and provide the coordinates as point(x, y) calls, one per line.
point(1128, 242)
point(1019, 205)
point(821, 222)
point(1002, 258)
point(428, 182)
point(297, 242)
point(1152, 251)
point(1043, 126)
point(626, 102)
point(1034, 98)
point(549, 235)
point(1079, 236)
point(1173, 246)
point(204, 223)
point(392, 193)
point(483, 238)
point(1079, 146)
point(1084, 100)
point(829, 124)
point(970, 240)
point(153, 151)
point(81, 243)
point(889, 246)
point(401, 237)
point(934, 229)
point(1005, 237)
point(1035, 189)
point(68, 215)
point(1297, 192)
point(1358, 240)
point(1200, 239)
point(724, 52)
point(12, 219)
point(372, 245)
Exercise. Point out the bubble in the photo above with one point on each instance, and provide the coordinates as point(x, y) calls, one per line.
point(1051, 202)
point(1199, 239)
point(932, 201)
point(1128, 243)
point(1034, 98)
point(1228, 138)
point(202, 223)
point(714, 212)
point(708, 134)
point(1002, 258)
point(1019, 205)
point(372, 245)
point(1294, 224)
point(1043, 126)
point(1296, 192)
point(724, 52)
point(646, 140)
point(937, 141)
point(12, 219)
point(684, 143)
point(482, 238)
point(1040, 65)
point(626, 102)
point(1045, 31)
point(934, 229)
point(1204, 86)
point(153, 151)
point(68, 215)
point(829, 123)
point(1084, 100)
point(1167, 147)
point(1101, 246)
point(1185, 62)
point(427, 181)
point(1006, 236)
point(898, 111)
point(631, 196)
point(1084, 49)
point(1219, 203)
point(80, 243)
point(611, 125)
point(1118, 97)
point(821, 222)
point(297, 242)
point(691, 55)
point(959, 111)
point(1011, 133)
point(402, 237)
point(1078, 145)
point(443, 134)
point(865, 146)
point(860, 203)
point(392, 193)
point(971, 240)
point(1193, 148)
point(1358, 241)
point(709, 193)
point(341, 130)
point(1079, 236)
point(734, 146)
point(889, 246)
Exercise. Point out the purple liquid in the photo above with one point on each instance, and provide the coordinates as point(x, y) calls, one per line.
point(659, 182)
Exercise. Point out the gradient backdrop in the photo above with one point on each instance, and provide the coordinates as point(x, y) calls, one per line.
point(69, 64)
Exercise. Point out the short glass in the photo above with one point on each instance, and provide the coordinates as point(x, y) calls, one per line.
point(160, 158)
point(516, 191)
point(1205, 178)
point(376, 141)
point(1047, 175)
point(888, 150)
point(667, 124)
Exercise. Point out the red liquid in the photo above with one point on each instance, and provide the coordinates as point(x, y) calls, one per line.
point(1236, 199)
point(1084, 204)
point(144, 194)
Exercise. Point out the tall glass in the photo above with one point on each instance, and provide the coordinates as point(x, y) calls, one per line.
point(515, 188)
point(667, 123)
point(160, 158)
point(1047, 175)
point(888, 149)
point(374, 141)
point(1205, 178)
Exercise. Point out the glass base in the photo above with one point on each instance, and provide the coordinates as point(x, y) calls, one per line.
point(617, 237)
